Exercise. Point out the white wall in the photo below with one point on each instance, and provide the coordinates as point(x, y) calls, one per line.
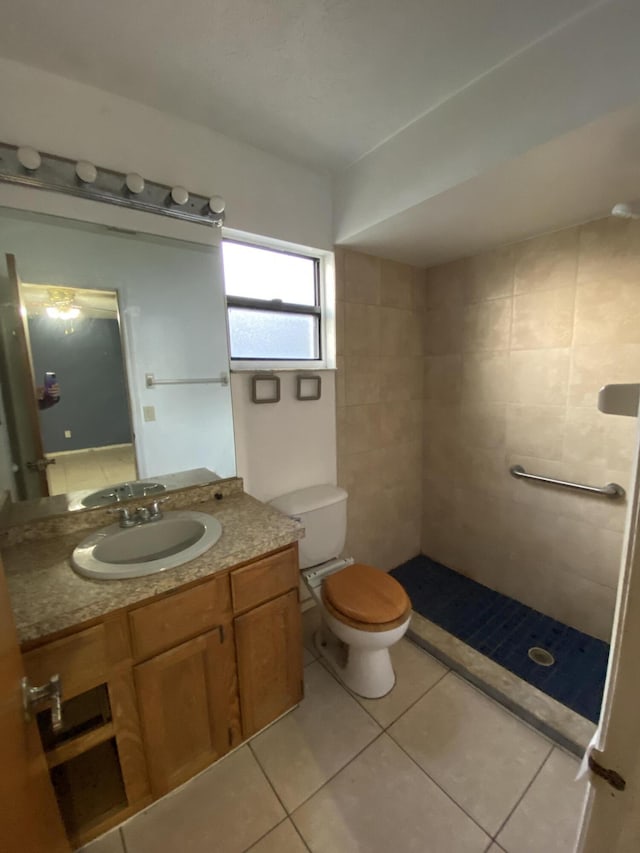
point(265, 195)
point(286, 445)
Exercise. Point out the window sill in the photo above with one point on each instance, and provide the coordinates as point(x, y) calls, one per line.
point(239, 366)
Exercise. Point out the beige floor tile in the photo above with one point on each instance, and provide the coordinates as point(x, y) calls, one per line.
point(226, 809)
point(382, 802)
point(548, 816)
point(416, 671)
point(304, 749)
point(478, 752)
point(109, 843)
point(283, 839)
point(307, 657)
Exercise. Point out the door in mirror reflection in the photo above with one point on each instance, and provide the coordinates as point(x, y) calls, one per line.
point(81, 386)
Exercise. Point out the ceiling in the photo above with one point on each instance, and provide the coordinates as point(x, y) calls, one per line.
point(321, 82)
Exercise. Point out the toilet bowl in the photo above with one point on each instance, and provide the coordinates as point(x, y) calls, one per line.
point(364, 610)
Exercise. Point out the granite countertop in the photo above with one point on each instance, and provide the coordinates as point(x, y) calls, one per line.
point(48, 596)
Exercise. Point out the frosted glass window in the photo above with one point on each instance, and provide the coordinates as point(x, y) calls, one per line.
point(253, 272)
point(273, 303)
point(256, 334)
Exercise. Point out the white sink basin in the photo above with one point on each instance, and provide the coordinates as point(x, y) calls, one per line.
point(117, 552)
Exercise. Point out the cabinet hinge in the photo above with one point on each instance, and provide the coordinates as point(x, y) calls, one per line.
point(611, 776)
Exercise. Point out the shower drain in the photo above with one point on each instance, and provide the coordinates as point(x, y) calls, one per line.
point(541, 656)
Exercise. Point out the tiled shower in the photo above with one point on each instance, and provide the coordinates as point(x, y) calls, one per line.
point(448, 377)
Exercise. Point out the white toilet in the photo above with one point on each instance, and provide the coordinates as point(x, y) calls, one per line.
point(364, 610)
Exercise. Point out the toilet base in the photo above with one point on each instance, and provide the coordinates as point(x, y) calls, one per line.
point(366, 672)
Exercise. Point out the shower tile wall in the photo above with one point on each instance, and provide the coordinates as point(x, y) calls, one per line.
point(379, 405)
point(517, 343)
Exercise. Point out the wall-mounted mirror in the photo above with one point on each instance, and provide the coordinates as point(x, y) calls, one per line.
point(91, 311)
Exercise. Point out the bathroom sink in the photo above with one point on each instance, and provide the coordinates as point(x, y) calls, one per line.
point(116, 552)
point(120, 491)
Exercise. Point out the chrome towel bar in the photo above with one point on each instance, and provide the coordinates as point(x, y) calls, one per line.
point(611, 490)
point(150, 381)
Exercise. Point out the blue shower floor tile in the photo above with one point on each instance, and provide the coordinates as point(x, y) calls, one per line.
point(504, 630)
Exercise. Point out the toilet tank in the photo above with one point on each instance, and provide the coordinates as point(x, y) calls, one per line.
point(323, 512)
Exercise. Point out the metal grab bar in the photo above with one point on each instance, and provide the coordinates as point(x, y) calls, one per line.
point(611, 490)
point(150, 381)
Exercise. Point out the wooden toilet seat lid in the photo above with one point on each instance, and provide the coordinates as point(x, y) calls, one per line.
point(366, 594)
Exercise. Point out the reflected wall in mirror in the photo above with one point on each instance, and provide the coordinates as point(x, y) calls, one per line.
point(81, 387)
point(169, 298)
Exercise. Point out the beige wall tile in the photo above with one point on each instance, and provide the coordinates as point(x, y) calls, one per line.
point(339, 254)
point(443, 331)
point(362, 384)
point(400, 332)
point(487, 325)
point(443, 377)
point(608, 311)
point(539, 377)
point(596, 365)
point(340, 312)
point(483, 424)
point(362, 329)
point(547, 262)
point(446, 283)
point(486, 377)
point(362, 277)
point(490, 275)
point(400, 378)
point(419, 290)
point(340, 382)
point(609, 250)
point(397, 285)
point(536, 430)
point(543, 319)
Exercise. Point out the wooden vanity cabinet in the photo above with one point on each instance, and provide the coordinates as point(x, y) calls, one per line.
point(188, 700)
point(180, 681)
point(268, 638)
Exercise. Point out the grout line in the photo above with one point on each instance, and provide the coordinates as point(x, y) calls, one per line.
point(524, 794)
point(122, 840)
point(264, 835)
point(269, 782)
point(439, 786)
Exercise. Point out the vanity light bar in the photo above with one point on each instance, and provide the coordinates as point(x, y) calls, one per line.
point(30, 168)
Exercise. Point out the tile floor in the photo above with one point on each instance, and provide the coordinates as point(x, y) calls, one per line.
point(434, 767)
point(91, 469)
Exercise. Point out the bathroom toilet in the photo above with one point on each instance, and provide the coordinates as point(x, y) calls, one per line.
point(364, 610)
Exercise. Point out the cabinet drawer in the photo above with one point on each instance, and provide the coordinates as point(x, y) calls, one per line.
point(264, 579)
point(80, 660)
point(178, 617)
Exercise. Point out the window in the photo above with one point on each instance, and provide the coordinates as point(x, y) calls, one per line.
point(276, 305)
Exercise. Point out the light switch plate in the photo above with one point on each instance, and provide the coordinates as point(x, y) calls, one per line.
point(149, 413)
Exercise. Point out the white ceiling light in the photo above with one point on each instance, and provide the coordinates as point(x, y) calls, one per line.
point(29, 158)
point(179, 196)
point(134, 183)
point(86, 171)
point(627, 210)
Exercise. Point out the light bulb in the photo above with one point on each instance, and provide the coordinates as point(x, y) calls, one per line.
point(29, 158)
point(627, 210)
point(179, 196)
point(86, 171)
point(134, 183)
point(216, 204)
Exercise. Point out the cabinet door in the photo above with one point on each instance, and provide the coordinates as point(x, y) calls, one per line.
point(269, 648)
point(188, 702)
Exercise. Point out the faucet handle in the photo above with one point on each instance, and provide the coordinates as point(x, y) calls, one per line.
point(123, 512)
point(154, 509)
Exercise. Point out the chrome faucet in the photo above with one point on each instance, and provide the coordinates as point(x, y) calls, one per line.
point(142, 514)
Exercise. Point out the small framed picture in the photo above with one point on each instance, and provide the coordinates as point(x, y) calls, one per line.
point(308, 387)
point(265, 388)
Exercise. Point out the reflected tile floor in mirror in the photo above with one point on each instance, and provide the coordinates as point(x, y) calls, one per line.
point(91, 469)
point(435, 766)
